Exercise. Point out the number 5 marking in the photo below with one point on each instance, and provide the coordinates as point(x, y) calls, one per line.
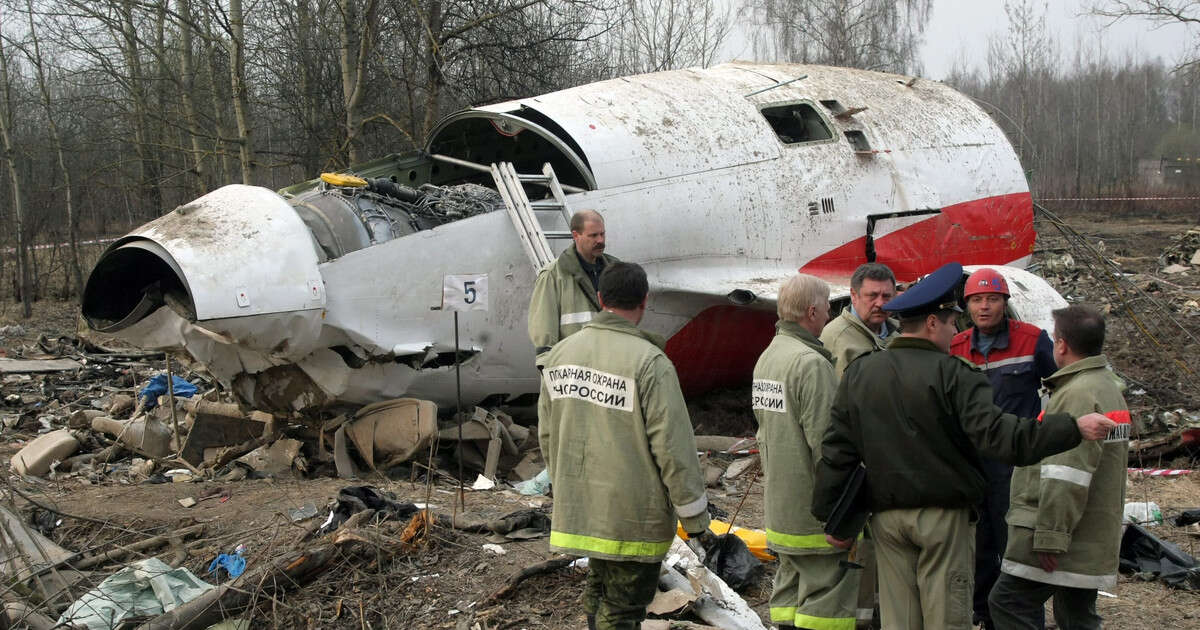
point(469, 289)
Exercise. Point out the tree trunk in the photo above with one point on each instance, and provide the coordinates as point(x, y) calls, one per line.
point(309, 116)
point(433, 72)
point(6, 117)
point(357, 45)
point(76, 271)
point(237, 75)
point(187, 77)
point(215, 99)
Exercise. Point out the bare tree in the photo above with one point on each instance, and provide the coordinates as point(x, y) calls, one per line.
point(653, 35)
point(19, 217)
point(358, 43)
point(240, 92)
point(871, 34)
point(1160, 11)
point(34, 54)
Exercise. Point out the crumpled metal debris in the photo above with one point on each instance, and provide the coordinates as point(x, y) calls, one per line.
point(1181, 250)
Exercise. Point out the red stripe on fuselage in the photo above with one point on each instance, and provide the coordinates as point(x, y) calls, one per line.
point(993, 230)
point(719, 347)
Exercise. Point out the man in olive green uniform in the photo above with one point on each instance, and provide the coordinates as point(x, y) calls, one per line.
point(792, 391)
point(863, 327)
point(619, 448)
point(564, 296)
point(919, 420)
point(860, 329)
point(1064, 521)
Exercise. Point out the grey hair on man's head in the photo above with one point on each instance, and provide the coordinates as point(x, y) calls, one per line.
point(797, 294)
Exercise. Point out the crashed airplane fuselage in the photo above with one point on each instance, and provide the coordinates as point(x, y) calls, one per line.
point(720, 181)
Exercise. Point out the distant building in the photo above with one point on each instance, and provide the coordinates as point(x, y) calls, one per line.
point(1179, 172)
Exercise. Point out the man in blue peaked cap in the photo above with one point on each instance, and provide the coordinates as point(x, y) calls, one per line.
point(920, 420)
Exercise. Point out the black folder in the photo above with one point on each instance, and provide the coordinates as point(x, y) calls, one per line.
point(850, 513)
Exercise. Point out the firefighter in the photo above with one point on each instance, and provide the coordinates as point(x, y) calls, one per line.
point(564, 296)
point(618, 444)
point(1015, 356)
point(919, 420)
point(1065, 518)
point(793, 388)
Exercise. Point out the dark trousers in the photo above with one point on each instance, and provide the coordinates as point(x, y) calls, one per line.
point(991, 535)
point(1019, 604)
point(617, 593)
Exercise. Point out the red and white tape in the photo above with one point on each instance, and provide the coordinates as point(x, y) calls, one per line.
point(1161, 472)
point(1120, 199)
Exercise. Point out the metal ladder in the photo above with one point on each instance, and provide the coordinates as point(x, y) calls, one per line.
point(524, 213)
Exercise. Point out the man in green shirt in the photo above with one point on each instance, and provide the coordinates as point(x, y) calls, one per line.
point(619, 447)
point(1064, 521)
point(564, 296)
point(791, 395)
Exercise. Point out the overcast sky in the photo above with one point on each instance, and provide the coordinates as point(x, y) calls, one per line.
point(960, 28)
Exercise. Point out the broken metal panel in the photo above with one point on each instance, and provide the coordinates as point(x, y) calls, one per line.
point(238, 251)
point(243, 232)
point(387, 315)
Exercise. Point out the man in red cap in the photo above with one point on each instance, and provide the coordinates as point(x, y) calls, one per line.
point(1016, 356)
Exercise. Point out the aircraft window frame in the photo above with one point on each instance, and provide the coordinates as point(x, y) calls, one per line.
point(812, 107)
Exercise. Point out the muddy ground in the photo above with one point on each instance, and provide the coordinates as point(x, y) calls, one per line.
point(445, 580)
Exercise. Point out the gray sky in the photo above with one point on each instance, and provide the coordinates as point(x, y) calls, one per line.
point(960, 28)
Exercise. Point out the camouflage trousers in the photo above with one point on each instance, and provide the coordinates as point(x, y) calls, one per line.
point(617, 593)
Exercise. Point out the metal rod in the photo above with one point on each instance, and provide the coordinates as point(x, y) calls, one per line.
point(772, 87)
point(476, 166)
point(462, 495)
point(171, 397)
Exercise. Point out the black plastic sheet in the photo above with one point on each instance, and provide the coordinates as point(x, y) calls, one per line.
point(1150, 557)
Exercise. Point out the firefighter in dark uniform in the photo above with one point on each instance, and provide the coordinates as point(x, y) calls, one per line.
point(920, 420)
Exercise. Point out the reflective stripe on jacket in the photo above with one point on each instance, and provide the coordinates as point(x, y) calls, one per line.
point(563, 301)
point(920, 420)
point(791, 395)
point(1015, 365)
point(1071, 504)
point(618, 444)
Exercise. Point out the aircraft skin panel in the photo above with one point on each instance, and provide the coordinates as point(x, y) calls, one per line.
point(222, 236)
point(719, 347)
point(380, 300)
point(667, 124)
point(651, 127)
point(996, 230)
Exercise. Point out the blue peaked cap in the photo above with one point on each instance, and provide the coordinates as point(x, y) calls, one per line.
point(933, 293)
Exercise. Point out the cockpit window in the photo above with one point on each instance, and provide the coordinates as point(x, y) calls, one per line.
point(796, 123)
